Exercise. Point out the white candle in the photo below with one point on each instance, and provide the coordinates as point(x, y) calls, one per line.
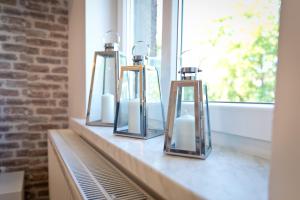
point(184, 133)
point(108, 108)
point(134, 116)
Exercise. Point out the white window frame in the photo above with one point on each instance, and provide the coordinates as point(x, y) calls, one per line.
point(242, 126)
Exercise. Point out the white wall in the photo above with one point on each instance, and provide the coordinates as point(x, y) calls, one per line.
point(285, 164)
point(76, 58)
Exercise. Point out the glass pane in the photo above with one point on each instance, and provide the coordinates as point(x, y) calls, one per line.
point(129, 105)
point(183, 137)
point(147, 26)
point(235, 45)
point(154, 108)
point(97, 91)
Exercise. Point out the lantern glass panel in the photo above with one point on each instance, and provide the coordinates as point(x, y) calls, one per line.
point(155, 119)
point(129, 115)
point(183, 137)
point(103, 87)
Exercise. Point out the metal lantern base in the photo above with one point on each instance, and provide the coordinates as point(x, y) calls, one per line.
point(191, 154)
point(150, 134)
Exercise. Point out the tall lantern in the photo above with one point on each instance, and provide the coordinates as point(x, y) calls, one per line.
point(103, 89)
point(139, 110)
point(187, 131)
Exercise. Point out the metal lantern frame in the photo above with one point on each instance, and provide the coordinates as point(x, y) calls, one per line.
point(109, 52)
point(202, 149)
point(144, 131)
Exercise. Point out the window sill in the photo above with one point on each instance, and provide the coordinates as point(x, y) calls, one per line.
point(224, 175)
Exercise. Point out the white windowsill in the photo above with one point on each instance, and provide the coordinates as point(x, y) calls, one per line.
point(225, 174)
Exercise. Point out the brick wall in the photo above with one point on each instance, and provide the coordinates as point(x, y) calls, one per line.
point(33, 86)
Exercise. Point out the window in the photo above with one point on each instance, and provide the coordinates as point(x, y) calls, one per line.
point(235, 43)
point(145, 24)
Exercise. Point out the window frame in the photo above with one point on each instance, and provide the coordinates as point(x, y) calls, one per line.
point(253, 129)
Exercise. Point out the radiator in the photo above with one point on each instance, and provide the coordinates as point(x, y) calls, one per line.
point(78, 171)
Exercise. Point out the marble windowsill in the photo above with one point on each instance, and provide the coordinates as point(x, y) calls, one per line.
point(225, 174)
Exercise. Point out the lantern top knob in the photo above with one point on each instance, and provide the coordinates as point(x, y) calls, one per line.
point(140, 52)
point(111, 40)
point(189, 73)
point(111, 46)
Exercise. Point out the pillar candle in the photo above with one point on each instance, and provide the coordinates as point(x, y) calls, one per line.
point(134, 116)
point(184, 133)
point(107, 108)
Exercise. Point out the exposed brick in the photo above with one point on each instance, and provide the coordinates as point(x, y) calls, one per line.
point(63, 103)
point(43, 144)
point(21, 66)
point(55, 53)
point(6, 56)
point(59, 118)
point(17, 110)
point(29, 5)
point(22, 153)
point(33, 77)
point(42, 127)
point(44, 86)
point(36, 33)
point(38, 152)
point(13, 118)
point(16, 136)
point(37, 94)
point(50, 27)
point(58, 35)
point(20, 38)
point(14, 20)
point(20, 48)
point(11, 11)
point(61, 11)
point(4, 128)
point(26, 58)
point(4, 38)
point(39, 102)
point(8, 2)
point(33, 68)
point(8, 92)
point(40, 16)
point(12, 75)
point(41, 42)
point(14, 162)
point(33, 136)
point(4, 65)
point(60, 95)
point(16, 84)
point(16, 102)
point(58, 78)
point(62, 70)
point(64, 45)
point(28, 144)
point(62, 20)
point(38, 68)
point(6, 154)
point(43, 60)
point(38, 119)
point(9, 145)
point(51, 111)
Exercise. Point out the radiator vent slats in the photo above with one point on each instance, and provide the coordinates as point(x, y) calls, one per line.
point(95, 177)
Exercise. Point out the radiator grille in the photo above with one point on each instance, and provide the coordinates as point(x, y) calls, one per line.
point(95, 177)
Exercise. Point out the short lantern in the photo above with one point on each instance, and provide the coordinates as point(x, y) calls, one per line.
point(103, 89)
point(139, 110)
point(187, 131)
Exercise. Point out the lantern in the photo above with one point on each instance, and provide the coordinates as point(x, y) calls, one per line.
point(103, 89)
point(139, 110)
point(187, 131)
